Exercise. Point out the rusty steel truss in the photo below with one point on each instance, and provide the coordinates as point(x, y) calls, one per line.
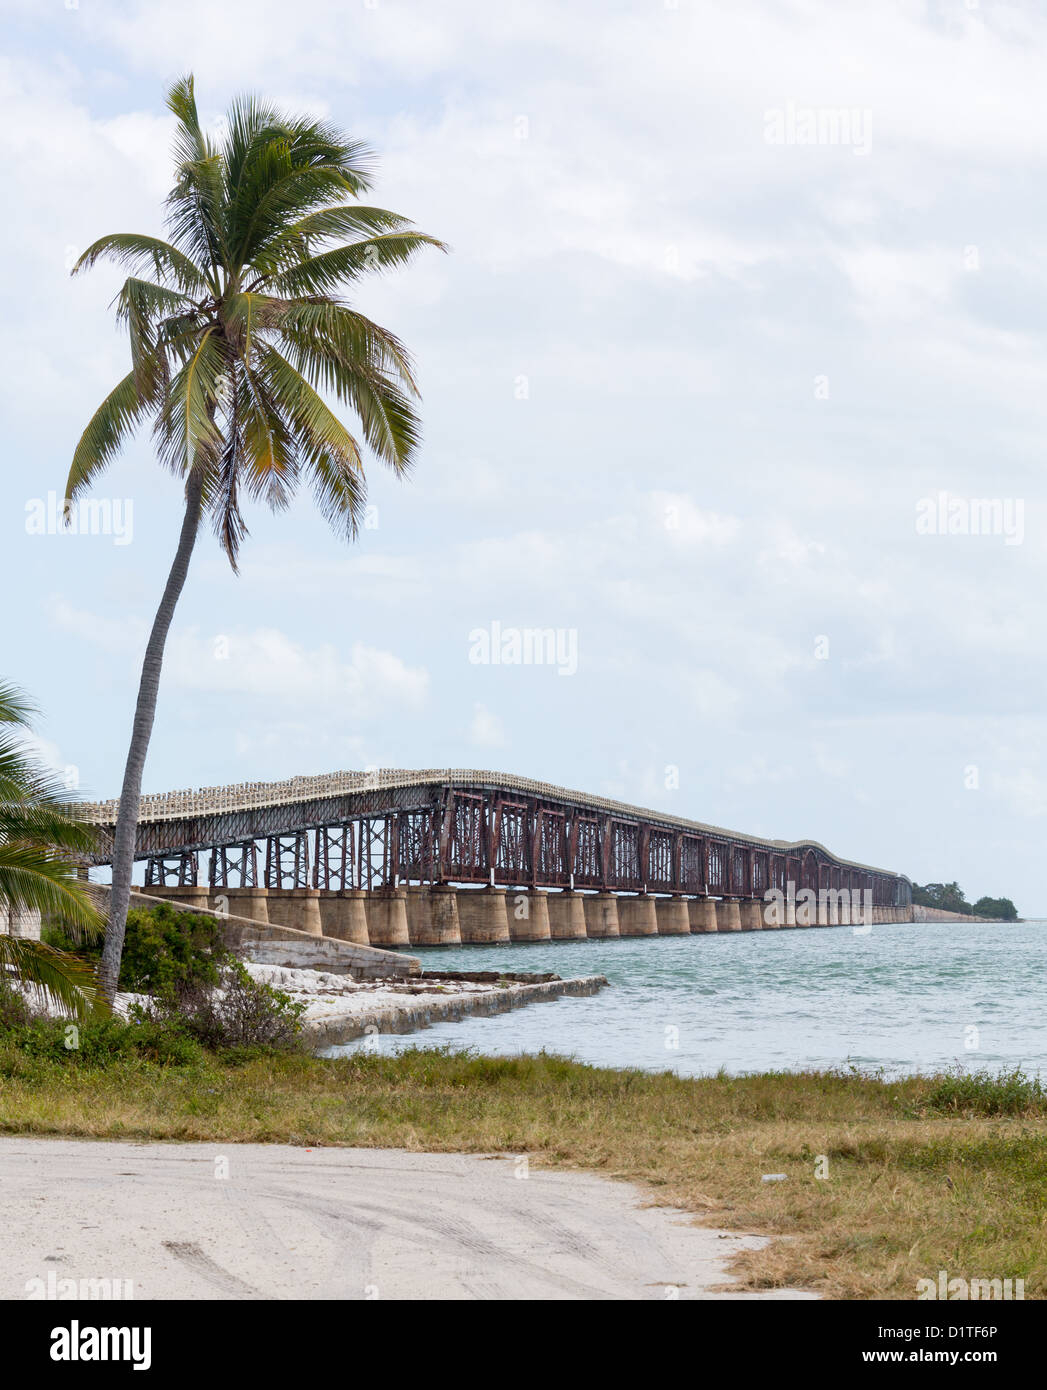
point(382, 830)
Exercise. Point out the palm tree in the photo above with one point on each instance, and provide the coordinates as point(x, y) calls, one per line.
point(40, 841)
point(233, 341)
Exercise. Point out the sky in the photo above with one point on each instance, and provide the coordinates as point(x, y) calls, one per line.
point(732, 380)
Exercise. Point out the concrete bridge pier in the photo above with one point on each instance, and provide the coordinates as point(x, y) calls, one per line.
point(432, 915)
point(751, 918)
point(298, 908)
point(601, 915)
point(672, 917)
point(728, 917)
point(528, 915)
point(771, 915)
point(445, 914)
point(196, 896)
point(243, 902)
point(789, 911)
point(566, 916)
point(21, 922)
point(701, 913)
point(637, 916)
point(482, 916)
point(387, 917)
point(806, 913)
point(344, 916)
point(193, 895)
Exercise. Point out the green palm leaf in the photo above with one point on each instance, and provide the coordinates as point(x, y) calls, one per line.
point(40, 843)
point(328, 271)
point(329, 451)
point(116, 418)
point(136, 253)
point(67, 981)
point(296, 242)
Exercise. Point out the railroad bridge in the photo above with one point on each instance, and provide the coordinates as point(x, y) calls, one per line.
point(429, 857)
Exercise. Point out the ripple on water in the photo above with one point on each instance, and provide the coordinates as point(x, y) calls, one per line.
point(902, 997)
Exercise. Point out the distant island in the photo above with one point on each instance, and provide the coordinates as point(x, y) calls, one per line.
point(949, 897)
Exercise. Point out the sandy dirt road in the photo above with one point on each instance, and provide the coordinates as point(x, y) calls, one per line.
point(255, 1221)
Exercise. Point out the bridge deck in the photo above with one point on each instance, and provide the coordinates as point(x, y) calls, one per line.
point(296, 791)
point(374, 830)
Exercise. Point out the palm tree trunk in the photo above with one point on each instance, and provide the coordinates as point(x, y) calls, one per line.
point(145, 711)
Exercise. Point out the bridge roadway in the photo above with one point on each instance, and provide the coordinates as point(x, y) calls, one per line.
point(397, 858)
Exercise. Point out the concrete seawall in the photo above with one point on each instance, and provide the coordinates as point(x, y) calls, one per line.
point(412, 1014)
point(271, 944)
point(937, 914)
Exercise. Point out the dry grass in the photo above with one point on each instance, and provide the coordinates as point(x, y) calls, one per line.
point(922, 1175)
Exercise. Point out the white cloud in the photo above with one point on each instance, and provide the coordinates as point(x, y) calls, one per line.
point(671, 285)
point(265, 667)
point(272, 669)
point(486, 729)
point(116, 635)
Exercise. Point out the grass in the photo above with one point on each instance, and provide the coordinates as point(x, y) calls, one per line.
point(946, 1172)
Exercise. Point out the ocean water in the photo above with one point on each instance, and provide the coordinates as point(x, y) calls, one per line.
point(904, 997)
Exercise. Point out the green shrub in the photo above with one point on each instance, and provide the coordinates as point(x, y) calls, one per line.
point(234, 1012)
point(1000, 908)
point(15, 1011)
point(165, 950)
point(100, 1042)
point(201, 996)
point(986, 1093)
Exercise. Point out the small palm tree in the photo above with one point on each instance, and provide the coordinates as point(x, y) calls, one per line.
point(233, 343)
point(39, 843)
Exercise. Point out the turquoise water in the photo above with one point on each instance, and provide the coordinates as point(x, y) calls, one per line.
point(906, 998)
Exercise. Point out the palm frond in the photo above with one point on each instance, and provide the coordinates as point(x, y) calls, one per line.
point(329, 451)
point(41, 835)
point(390, 423)
point(295, 243)
point(185, 427)
point(289, 168)
point(66, 980)
point(328, 271)
point(249, 270)
point(136, 253)
point(35, 880)
point(142, 307)
point(196, 203)
point(118, 415)
point(15, 707)
point(344, 335)
point(270, 455)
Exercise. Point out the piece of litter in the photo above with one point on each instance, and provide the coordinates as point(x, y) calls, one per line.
point(774, 1177)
